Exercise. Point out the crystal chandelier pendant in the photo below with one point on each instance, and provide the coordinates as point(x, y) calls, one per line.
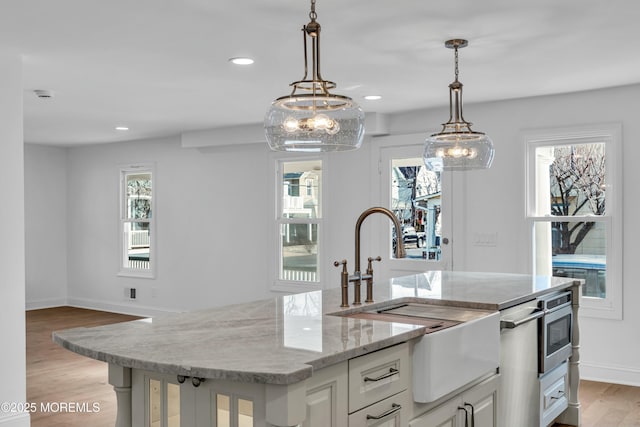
point(311, 119)
point(457, 147)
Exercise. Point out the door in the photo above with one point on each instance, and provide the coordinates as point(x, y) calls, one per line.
point(421, 200)
point(481, 403)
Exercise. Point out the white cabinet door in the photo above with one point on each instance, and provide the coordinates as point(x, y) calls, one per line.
point(327, 397)
point(446, 415)
point(480, 401)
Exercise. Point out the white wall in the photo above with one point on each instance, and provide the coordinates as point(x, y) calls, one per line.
point(211, 225)
point(214, 214)
point(46, 236)
point(12, 245)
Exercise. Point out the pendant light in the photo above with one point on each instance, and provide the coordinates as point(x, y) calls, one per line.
point(457, 147)
point(311, 118)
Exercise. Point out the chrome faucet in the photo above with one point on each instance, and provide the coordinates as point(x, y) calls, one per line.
point(357, 276)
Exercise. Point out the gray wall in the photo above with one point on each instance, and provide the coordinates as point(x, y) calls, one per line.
point(214, 213)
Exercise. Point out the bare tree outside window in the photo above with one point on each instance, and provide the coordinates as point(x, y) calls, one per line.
point(139, 196)
point(574, 208)
point(577, 188)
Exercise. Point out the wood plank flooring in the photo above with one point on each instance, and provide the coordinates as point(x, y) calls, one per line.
point(609, 405)
point(56, 375)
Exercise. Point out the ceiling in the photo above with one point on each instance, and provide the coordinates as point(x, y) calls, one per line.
point(160, 67)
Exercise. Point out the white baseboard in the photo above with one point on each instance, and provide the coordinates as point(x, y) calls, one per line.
point(45, 303)
point(610, 374)
point(21, 419)
point(132, 308)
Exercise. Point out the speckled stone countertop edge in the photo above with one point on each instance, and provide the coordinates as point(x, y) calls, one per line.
point(287, 366)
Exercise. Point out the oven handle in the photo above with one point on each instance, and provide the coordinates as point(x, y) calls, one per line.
point(510, 324)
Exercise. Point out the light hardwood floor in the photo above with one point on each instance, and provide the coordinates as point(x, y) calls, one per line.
point(57, 375)
point(609, 405)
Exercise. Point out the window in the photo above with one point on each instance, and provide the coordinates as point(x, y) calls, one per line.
point(574, 211)
point(299, 217)
point(136, 221)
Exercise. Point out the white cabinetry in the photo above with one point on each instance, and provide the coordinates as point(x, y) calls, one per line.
point(370, 390)
point(159, 400)
point(374, 385)
point(390, 412)
point(477, 404)
point(366, 391)
point(327, 397)
point(376, 376)
point(554, 387)
point(378, 388)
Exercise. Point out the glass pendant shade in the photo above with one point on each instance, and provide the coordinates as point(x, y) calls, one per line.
point(314, 123)
point(311, 119)
point(457, 147)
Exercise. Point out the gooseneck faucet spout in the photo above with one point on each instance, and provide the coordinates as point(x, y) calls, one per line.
point(400, 252)
point(357, 276)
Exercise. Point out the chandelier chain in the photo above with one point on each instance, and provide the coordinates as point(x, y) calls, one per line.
point(313, 15)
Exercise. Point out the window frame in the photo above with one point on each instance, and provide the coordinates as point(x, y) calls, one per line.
point(278, 284)
point(123, 271)
point(610, 134)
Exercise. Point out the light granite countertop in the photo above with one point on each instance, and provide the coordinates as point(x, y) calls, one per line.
point(283, 339)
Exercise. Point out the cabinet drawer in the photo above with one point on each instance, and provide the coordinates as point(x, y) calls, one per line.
point(391, 412)
point(376, 376)
point(553, 393)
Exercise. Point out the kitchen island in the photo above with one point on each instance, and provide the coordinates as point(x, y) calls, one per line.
point(261, 361)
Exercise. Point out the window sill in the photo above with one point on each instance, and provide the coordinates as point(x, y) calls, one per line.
point(137, 274)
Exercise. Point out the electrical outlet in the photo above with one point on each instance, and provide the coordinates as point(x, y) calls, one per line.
point(132, 293)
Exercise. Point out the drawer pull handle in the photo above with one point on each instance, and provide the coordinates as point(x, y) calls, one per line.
point(394, 408)
point(392, 372)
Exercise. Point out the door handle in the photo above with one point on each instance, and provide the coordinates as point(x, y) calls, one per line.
point(473, 414)
point(466, 415)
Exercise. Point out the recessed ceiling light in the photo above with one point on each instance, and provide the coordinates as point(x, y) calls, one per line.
point(241, 60)
point(372, 97)
point(122, 128)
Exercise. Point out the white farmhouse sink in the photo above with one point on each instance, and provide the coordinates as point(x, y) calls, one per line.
point(447, 360)
point(460, 345)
